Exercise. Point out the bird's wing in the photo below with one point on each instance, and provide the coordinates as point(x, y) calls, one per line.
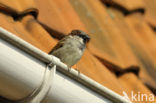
point(59, 44)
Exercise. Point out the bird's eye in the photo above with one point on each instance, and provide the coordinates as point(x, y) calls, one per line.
point(85, 38)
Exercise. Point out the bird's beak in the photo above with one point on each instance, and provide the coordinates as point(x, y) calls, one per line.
point(87, 38)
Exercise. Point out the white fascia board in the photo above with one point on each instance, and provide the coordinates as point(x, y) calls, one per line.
point(21, 74)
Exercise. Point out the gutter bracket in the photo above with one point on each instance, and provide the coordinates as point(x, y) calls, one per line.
point(40, 93)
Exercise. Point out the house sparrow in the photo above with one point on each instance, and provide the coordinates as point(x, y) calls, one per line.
point(70, 49)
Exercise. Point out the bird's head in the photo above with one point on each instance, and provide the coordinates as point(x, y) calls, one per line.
point(81, 34)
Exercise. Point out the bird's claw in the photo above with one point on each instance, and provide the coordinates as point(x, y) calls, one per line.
point(78, 71)
point(69, 69)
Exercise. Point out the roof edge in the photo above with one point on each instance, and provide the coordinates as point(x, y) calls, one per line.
point(15, 14)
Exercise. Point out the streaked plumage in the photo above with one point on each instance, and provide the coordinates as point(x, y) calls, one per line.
point(70, 49)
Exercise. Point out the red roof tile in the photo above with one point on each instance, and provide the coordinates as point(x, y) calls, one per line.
point(135, 87)
point(59, 15)
point(105, 35)
point(143, 48)
point(150, 13)
point(127, 4)
point(18, 7)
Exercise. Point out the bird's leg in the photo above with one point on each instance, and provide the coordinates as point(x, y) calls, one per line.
point(78, 72)
point(69, 69)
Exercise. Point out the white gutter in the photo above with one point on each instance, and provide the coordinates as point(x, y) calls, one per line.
point(19, 71)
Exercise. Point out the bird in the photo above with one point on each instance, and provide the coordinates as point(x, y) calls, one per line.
point(71, 48)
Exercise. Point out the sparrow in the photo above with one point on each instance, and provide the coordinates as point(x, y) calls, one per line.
point(71, 48)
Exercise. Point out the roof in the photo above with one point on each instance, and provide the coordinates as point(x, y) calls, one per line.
point(121, 53)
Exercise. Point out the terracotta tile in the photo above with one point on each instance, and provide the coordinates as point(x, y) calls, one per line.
point(127, 4)
point(144, 31)
point(91, 67)
point(105, 35)
point(18, 7)
point(150, 13)
point(8, 23)
point(38, 38)
point(138, 42)
point(144, 48)
point(59, 15)
point(38, 33)
point(135, 88)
